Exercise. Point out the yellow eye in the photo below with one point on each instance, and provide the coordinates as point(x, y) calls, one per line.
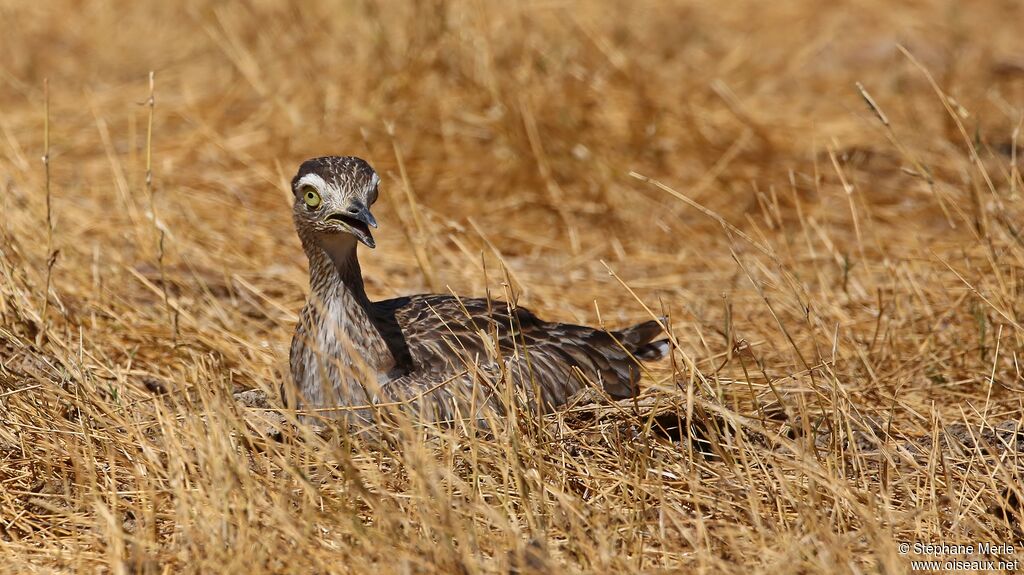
point(311, 197)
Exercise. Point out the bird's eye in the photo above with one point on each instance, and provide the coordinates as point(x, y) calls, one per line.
point(311, 197)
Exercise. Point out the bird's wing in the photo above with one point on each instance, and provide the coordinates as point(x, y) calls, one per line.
point(439, 336)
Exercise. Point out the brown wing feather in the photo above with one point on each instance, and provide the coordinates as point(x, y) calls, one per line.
point(435, 336)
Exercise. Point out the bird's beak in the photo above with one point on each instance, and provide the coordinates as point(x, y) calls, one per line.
point(369, 219)
point(357, 220)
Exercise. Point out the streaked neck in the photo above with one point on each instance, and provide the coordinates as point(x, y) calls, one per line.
point(336, 283)
point(334, 269)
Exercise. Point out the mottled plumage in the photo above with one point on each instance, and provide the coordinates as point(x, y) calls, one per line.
point(445, 358)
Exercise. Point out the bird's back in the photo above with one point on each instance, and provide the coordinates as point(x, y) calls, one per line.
point(438, 336)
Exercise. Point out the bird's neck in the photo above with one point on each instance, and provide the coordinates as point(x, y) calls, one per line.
point(336, 283)
point(334, 270)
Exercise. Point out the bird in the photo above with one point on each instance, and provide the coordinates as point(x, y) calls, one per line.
point(441, 358)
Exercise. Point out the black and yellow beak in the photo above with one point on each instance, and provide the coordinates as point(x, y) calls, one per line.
point(357, 220)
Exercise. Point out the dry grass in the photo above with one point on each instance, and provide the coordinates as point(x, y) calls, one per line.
point(844, 284)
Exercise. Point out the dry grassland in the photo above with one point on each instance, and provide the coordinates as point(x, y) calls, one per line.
point(843, 268)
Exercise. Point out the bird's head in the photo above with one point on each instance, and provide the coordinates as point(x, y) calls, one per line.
point(333, 195)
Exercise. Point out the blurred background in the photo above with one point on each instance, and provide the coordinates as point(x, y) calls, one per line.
point(517, 123)
point(828, 191)
point(522, 119)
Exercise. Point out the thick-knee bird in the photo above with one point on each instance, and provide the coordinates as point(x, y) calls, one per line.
point(441, 357)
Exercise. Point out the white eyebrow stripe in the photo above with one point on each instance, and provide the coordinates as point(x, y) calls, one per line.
point(313, 180)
